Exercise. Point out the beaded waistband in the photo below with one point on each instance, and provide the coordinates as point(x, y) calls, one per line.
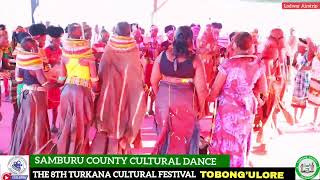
point(78, 81)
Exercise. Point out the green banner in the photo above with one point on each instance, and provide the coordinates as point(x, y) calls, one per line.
point(129, 161)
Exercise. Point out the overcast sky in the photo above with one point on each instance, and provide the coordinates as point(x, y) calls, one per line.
point(233, 14)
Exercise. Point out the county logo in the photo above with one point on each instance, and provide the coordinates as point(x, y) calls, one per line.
point(17, 165)
point(307, 167)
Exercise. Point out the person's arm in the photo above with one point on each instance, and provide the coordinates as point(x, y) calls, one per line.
point(156, 75)
point(43, 80)
point(262, 89)
point(94, 75)
point(217, 85)
point(200, 84)
point(63, 72)
point(18, 75)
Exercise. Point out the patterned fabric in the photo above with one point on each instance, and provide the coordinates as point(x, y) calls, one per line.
point(77, 48)
point(98, 47)
point(121, 106)
point(237, 109)
point(29, 61)
point(301, 86)
point(122, 43)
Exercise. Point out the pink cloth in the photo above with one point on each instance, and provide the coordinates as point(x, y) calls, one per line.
point(237, 108)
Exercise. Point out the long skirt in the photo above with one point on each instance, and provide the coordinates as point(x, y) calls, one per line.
point(75, 117)
point(32, 129)
point(232, 133)
point(176, 119)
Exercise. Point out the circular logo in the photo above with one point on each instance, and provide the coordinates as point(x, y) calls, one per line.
point(307, 167)
point(17, 165)
point(6, 176)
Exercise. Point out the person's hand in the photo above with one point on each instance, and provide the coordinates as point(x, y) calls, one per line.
point(123, 143)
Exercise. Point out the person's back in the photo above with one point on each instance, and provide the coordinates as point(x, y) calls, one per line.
point(121, 104)
point(237, 103)
point(185, 70)
point(242, 75)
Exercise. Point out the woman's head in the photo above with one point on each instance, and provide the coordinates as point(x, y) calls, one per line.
point(38, 32)
point(74, 31)
point(277, 35)
point(243, 41)
point(55, 34)
point(29, 44)
point(182, 41)
point(123, 29)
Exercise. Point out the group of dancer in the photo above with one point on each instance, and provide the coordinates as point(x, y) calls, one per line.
point(106, 85)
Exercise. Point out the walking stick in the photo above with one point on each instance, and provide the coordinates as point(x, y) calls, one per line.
point(213, 120)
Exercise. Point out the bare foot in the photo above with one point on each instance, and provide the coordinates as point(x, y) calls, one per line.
point(250, 164)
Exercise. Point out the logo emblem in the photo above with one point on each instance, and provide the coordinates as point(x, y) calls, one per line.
point(6, 176)
point(17, 165)
point(307, 167)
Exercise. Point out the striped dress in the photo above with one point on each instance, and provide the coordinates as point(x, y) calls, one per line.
point(302, 83)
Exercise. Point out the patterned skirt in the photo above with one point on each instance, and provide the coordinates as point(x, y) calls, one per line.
point(301, 87)
point(176, 119)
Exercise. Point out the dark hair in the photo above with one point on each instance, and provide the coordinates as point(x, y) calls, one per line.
point(22, 35)
point(72, 27)
point(123, 29)
point(55, 32)
point(231, 35)
point(103, 31)
point(216, 25)
point(142, 30)
point(66, 28)
point(244, 40)
point(2, 27)
point(27, 40)
point(181, 42)
point(132, 25)
point(303, 41)
point(193, 24)
point(37, 29)
point(169, 28)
